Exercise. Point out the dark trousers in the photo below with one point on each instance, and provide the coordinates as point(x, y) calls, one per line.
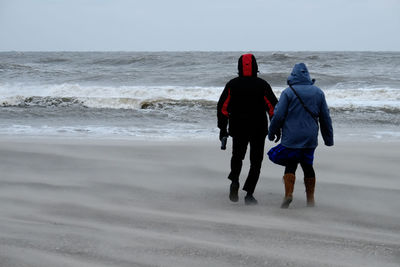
point(239, 148)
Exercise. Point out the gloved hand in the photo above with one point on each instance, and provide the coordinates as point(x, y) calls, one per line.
point(276, 136)
point(223, 133)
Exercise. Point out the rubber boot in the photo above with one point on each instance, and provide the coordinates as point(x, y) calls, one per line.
point(288, 179)
point(310, 186)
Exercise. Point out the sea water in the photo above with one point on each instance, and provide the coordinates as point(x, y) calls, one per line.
point(163, 95)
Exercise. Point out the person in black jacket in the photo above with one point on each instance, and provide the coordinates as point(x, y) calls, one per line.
point(244, 105)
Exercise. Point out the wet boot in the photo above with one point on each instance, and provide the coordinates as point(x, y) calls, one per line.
point(288, 179)
point(234, 192)
point(310, 186)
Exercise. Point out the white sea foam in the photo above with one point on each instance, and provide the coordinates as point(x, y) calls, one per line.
point(128, 97)
point(352, 99)
point(133, 97)
point(138, 92)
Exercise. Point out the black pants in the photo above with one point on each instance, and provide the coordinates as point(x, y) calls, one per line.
point(307, 169)
point(239, 149)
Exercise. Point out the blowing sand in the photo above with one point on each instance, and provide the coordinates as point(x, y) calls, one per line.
point(131, 203)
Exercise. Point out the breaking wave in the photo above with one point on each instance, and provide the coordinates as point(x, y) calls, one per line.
point(169, 97)
point(39, 101)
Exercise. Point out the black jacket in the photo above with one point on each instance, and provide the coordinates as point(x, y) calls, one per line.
point(246, 101)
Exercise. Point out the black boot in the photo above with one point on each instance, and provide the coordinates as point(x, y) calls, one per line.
point(233, 192)
point(250, 200)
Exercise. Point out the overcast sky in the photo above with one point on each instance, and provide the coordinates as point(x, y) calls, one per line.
point(223, 25)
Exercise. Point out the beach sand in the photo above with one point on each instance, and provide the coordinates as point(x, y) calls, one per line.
point(88, 202)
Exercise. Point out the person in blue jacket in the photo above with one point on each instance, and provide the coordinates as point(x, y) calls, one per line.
point(300, 112)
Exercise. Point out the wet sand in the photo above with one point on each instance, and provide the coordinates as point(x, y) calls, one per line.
point(139, 203)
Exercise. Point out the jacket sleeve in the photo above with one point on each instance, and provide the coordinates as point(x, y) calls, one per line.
point(222, 108)
point(280, 113)
point(325, 123)
point(270, 100)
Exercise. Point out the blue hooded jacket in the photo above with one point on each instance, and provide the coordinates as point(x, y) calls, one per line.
point(299, 128)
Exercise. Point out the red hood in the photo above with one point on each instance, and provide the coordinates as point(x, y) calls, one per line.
point(247, 65)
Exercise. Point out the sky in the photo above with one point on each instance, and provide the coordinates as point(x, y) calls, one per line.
point(199, 25)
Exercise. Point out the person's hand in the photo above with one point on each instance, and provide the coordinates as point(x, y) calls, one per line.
point(329, 143)
point(223, 133)
point(276, 136)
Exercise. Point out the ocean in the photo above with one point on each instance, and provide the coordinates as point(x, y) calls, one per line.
point(173, 95)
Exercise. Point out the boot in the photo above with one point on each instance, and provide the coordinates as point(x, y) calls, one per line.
point(310, 186)
point(288, 179)
point(249, 199)
point(234, 192)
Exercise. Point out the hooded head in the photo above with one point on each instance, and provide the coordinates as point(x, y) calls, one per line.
point(300, 75)
point(247, 66)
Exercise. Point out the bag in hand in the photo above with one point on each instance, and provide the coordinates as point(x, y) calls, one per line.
point(282, 155)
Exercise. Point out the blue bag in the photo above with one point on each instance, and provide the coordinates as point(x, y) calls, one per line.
point(282, 155)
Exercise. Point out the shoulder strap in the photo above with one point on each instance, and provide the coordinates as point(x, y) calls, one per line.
point(304, 105)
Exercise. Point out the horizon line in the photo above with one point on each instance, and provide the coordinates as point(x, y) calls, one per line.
point(163, 51)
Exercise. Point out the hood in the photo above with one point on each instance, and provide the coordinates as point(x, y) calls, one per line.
point(300, 75)
point(247, 66)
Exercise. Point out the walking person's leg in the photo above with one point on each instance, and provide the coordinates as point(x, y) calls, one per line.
point(289, 179)
point(256, 157)
point(239, 148)
point(309, 182)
